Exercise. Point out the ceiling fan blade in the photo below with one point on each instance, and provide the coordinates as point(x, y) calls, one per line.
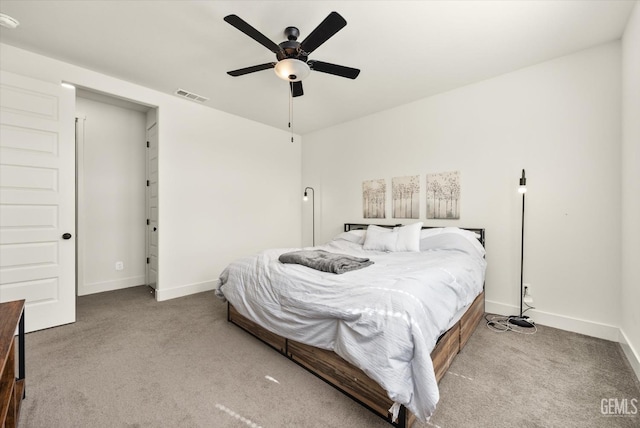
point(327, 28)
point(252, 69)
point(256, 35)
point(338, 70)
point(296, 89)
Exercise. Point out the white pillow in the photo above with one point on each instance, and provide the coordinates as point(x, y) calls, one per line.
point(405, 238)
point(380, 239)
point(356, 236)
point(425, 233)
point(409, 237)
point(426, 243)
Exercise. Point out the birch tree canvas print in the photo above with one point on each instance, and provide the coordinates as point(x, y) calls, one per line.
point(374, 196)
point(405, 193)
point(443, 195)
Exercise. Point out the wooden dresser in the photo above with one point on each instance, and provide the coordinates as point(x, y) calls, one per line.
point(11, 383)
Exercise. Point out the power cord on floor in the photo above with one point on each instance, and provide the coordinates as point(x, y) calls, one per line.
point(501, 324)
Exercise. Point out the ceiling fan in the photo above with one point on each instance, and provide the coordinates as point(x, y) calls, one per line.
point(293, 64)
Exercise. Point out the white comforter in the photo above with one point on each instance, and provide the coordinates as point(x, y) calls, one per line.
point(384, 318)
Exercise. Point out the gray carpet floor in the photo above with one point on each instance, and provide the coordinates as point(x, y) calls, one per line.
point(130, 361)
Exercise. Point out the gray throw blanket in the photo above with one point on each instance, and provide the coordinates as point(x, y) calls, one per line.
point(325, 261)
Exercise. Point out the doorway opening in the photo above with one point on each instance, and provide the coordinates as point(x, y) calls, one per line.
point(115, 241)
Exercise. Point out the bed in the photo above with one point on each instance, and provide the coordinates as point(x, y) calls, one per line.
point(383, 334)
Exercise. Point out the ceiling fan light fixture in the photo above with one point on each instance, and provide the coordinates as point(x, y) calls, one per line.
point(292, 70)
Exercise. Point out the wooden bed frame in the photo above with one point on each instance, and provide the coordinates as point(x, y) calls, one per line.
point(349, 379)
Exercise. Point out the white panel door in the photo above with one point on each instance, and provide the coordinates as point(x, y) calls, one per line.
point(152, 206)
point(37, 199)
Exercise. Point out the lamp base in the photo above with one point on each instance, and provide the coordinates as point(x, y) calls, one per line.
point(521, 321)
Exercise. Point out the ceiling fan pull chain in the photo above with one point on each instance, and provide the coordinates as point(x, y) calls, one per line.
point(291, 113)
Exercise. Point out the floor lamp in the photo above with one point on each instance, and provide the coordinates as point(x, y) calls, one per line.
point(313, 212)
point(522, 320)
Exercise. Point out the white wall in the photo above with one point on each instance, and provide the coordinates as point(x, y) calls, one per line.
point(559, 120)
point(111, 200)
point(227, 186)
point(631, 188)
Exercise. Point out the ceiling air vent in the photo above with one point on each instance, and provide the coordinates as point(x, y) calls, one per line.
point(191, 95)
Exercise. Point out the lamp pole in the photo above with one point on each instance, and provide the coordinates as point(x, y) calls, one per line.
point(522, 247)
point(522, 320)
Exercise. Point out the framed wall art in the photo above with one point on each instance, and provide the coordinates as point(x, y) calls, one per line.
point(405, 196)
point(374, 197)
point(443, 195)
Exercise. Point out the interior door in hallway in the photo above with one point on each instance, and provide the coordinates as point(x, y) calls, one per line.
point(37, 199)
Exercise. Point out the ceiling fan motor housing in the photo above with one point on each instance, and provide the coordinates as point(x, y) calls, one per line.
point(291, 49)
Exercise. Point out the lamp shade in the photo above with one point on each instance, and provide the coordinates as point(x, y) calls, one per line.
point(313, 212)
point(292, 70)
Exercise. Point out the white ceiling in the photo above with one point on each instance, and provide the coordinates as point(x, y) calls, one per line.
point(407, 50)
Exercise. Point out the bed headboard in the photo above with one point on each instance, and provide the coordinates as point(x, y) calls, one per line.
point(361, 226)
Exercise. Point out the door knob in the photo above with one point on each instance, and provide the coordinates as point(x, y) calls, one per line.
point(66, 236)
point(155, 228)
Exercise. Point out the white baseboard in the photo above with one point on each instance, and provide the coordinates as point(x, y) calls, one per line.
point(588, 328)
point(115, 284)
point(184, 290)
point(632, 355)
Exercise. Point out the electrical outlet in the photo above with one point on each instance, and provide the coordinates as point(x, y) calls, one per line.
point(119, 265)
point(527, 295)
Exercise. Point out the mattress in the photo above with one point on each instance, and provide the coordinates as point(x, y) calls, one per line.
point(384, 319)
